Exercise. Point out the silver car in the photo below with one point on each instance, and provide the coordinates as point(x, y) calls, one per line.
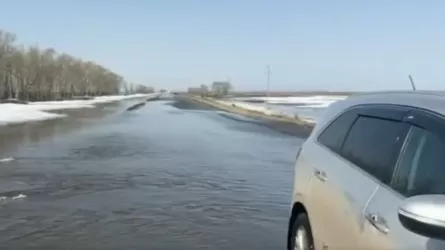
point(372, 175)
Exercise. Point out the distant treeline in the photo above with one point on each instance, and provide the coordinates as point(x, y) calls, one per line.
point(225, 89)
point(36, 74)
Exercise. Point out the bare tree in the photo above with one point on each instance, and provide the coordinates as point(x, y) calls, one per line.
point(144, 89)
point(204, 90)
point(35, 74)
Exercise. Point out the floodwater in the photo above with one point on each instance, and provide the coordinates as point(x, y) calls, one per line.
point(160, 177)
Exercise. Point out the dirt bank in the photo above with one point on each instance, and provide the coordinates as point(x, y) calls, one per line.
point(184, 102)
point(294, 127)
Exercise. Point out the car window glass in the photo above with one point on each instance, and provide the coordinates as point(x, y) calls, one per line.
point(334, 135)
point(374, 145)
point(421, 169)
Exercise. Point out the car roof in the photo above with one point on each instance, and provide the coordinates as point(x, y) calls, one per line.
point(429, 100)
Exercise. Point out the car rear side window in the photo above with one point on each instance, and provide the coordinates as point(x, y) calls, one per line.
point(421, 169)
point(334, 135)
point(374, 144)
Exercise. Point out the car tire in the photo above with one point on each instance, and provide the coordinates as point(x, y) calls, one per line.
point(301, 234)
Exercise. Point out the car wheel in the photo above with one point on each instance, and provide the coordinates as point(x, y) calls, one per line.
point(301, 234)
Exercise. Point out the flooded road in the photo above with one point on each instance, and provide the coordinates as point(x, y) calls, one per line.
point(161, 177)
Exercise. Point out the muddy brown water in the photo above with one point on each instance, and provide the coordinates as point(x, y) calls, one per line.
point(171, 175)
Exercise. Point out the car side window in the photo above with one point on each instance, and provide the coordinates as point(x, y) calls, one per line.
point(421, 168)
point(334, 135)
point(374, 145)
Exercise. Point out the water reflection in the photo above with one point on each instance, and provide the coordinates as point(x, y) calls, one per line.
point(161, 177)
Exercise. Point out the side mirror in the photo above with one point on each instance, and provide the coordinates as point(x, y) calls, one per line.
point(424, 215)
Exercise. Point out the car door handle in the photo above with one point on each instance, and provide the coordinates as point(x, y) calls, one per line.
point(321, 175)
point(378, 222)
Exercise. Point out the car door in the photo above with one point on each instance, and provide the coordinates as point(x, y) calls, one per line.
point(420, 170)
point(346, 174)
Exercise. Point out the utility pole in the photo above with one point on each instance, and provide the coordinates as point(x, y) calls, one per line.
point(268, 80)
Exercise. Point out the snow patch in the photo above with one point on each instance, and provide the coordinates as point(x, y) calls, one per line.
point(11, 113)
point(305, 107)
point(8, 159)
point(17, 197)
point(20, 196)
point(80, 104)
point(317, 101)
point(47, 106)
point(108, 99)
point(18, 113)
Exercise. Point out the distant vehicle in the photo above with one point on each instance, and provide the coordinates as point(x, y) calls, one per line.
point(372, 175)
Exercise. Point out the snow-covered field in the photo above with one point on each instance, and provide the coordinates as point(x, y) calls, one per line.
point(11, 113)
point(308, 108)
point(317, 101)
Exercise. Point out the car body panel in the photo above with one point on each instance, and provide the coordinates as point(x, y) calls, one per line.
point(337, 210)
point(338, 206)
point(304, 178)
point(386, 203)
